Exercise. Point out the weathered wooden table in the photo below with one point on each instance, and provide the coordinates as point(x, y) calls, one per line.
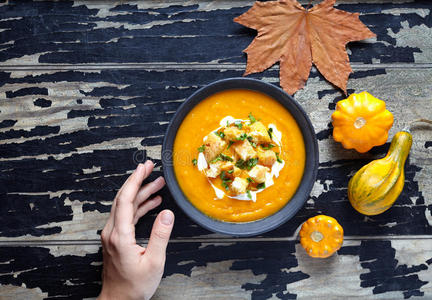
point(87, 91)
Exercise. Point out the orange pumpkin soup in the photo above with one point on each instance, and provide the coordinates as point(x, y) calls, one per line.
point(239, 156)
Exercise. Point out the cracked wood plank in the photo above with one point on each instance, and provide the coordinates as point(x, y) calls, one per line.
point(380, 269)
point(196, 31)
point(77, 114)
point(83, 132)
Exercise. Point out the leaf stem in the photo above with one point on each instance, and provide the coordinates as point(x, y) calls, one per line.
point(423, 121)
point(411, 124)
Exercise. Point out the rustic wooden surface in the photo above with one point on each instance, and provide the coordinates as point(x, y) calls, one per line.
point(87, 90)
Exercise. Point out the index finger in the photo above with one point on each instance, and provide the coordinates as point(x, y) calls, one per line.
point(124, 210)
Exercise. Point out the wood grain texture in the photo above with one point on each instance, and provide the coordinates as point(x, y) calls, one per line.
point(196, 31)
point(380, 269)
point(100, 124)
point(87, 90)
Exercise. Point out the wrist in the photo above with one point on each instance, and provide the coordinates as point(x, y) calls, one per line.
point(108, 293)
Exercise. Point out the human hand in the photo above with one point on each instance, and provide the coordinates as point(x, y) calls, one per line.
point(129, 270)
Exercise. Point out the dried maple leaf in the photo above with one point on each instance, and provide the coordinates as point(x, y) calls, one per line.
point(296, 37)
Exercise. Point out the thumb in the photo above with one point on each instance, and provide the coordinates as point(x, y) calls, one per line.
point(160, 235)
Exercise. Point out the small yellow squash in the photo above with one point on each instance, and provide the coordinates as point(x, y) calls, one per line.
point(376, 186)
point(361, 122)
point(321, 236)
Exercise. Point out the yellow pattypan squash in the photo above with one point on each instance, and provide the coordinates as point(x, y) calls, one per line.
point(361, 122)
point(321, 236)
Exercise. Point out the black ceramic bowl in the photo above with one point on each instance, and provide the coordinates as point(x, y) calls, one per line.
point(309, 176)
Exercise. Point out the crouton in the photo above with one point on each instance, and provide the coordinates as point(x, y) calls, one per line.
point(244, 149)
point(239, 185)
point(267, 157)
point(226, 166)
point(233, 133)
point(216, 168)
point(214, 145)
point(237, 172)
point(259, 133)
point(258, 173)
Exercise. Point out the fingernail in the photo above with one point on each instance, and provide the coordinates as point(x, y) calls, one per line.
point(167, 217)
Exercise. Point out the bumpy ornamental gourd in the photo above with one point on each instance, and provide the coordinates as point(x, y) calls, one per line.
point(361, 122)
point(376, 186)
point(321, 236)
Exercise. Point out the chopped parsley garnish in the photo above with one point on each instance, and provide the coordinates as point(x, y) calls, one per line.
point(249, 138)
point(220, 134)
point(252, 118)
point(228, 123)
point(201, 149)
point(239, 125)
point(230, 171)
point(225, 157)
point(250, 180)
point(216, 159)
point(268, 147)
point(279, 160)
point(252, 163)
point(225, 185)
point(194, 161)
point(261, 186)
point(249, 164)
point(240, 164)
point(225, 180)
point(221, 157)
point(249, 194)
point(230, 144)
point(270, 132)
point(242, 137)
